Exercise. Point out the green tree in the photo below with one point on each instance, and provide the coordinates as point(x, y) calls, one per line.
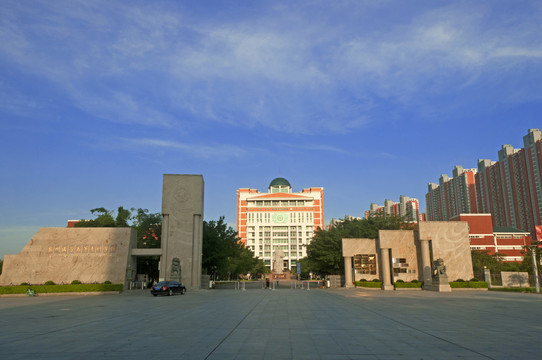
point(324, 252)
point(105, 218)
point(306, 269)
point(123, 216)
point(481, 259)
point(527, 263)
point(149, 228)
point(223, 255)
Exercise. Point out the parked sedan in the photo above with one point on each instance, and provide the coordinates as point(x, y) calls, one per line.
point(168, 288)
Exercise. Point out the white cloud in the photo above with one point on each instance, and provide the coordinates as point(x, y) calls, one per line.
point(323, 148)
point(218, 151)
point(151, 65)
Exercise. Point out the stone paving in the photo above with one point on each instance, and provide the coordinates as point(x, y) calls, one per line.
point(281, 324)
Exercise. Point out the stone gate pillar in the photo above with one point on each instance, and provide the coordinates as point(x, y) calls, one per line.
point(182, 227)
point(426, 264)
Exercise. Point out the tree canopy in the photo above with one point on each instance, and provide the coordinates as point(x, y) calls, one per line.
point(148, 225)
point(105, 218)
point(481, 259)
point(224, 256)
point(325, 252)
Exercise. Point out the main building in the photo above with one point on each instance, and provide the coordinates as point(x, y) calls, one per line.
point(279, 219)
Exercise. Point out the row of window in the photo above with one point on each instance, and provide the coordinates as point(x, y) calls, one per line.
point(273, 218)
point(276, 228)
point(267, 254)
point(279, 203)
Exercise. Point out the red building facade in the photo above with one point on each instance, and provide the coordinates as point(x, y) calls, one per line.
point(508, 242)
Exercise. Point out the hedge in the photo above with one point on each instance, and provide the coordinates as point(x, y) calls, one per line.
point(408, 285)
point(469, 284)
point(19, 289)
point(369, 284)
point(515, 289)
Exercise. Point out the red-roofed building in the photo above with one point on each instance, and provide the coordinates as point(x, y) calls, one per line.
point(279, 219)
point(506, 241)
point(71, 223)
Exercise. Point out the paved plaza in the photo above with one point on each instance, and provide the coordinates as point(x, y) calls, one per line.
point(281, 324)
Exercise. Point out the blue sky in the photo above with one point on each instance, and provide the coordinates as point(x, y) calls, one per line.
point(369, 99)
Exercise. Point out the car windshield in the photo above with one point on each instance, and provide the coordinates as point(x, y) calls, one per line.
point(162, 283)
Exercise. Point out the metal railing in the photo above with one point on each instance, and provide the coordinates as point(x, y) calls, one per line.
point(272, 284)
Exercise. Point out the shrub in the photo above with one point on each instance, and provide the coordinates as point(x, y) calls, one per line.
point(460, 280)
point(363, 280)
point(369, 284)
point(415, 281)
point(25, 284)
point(107, 282)
point(76, 282)
point(410, 285)
point(49, 283)
point(474, 279)
point(469, 284)
point(61, 288)
point(516, 289)
point(400, 281)
point(377, 280)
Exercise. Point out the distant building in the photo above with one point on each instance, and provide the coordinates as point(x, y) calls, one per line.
point(452, 196)
point(71, 223)
point(334, 221)
point(407, 207)
point(279, 220)
point(506, 241)
point(509, 189)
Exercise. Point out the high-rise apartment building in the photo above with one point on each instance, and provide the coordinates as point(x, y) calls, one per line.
point(279, 220)
point(510, 189)
point(407, 207)
point(452, 196)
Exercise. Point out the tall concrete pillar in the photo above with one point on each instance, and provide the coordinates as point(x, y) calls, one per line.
point(386, 282)
point(348, 271)
point(426, 265)
point(182, 227)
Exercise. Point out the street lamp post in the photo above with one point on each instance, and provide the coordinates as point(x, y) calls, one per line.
point(535, 268)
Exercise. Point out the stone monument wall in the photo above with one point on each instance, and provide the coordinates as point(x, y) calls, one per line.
point(66, 254)
point(352, 247)
point(402, 246)
point(450, 242)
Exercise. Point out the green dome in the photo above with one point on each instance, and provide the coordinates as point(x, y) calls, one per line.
point(280, 182)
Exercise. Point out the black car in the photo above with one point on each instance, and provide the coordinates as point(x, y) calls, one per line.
point(167, 288)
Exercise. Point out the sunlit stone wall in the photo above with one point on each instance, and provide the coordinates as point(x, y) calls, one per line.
point(66, 254)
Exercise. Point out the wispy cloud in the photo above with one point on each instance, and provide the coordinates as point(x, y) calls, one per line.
point(219, 151)
point(323, 148)
point(156, 65)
